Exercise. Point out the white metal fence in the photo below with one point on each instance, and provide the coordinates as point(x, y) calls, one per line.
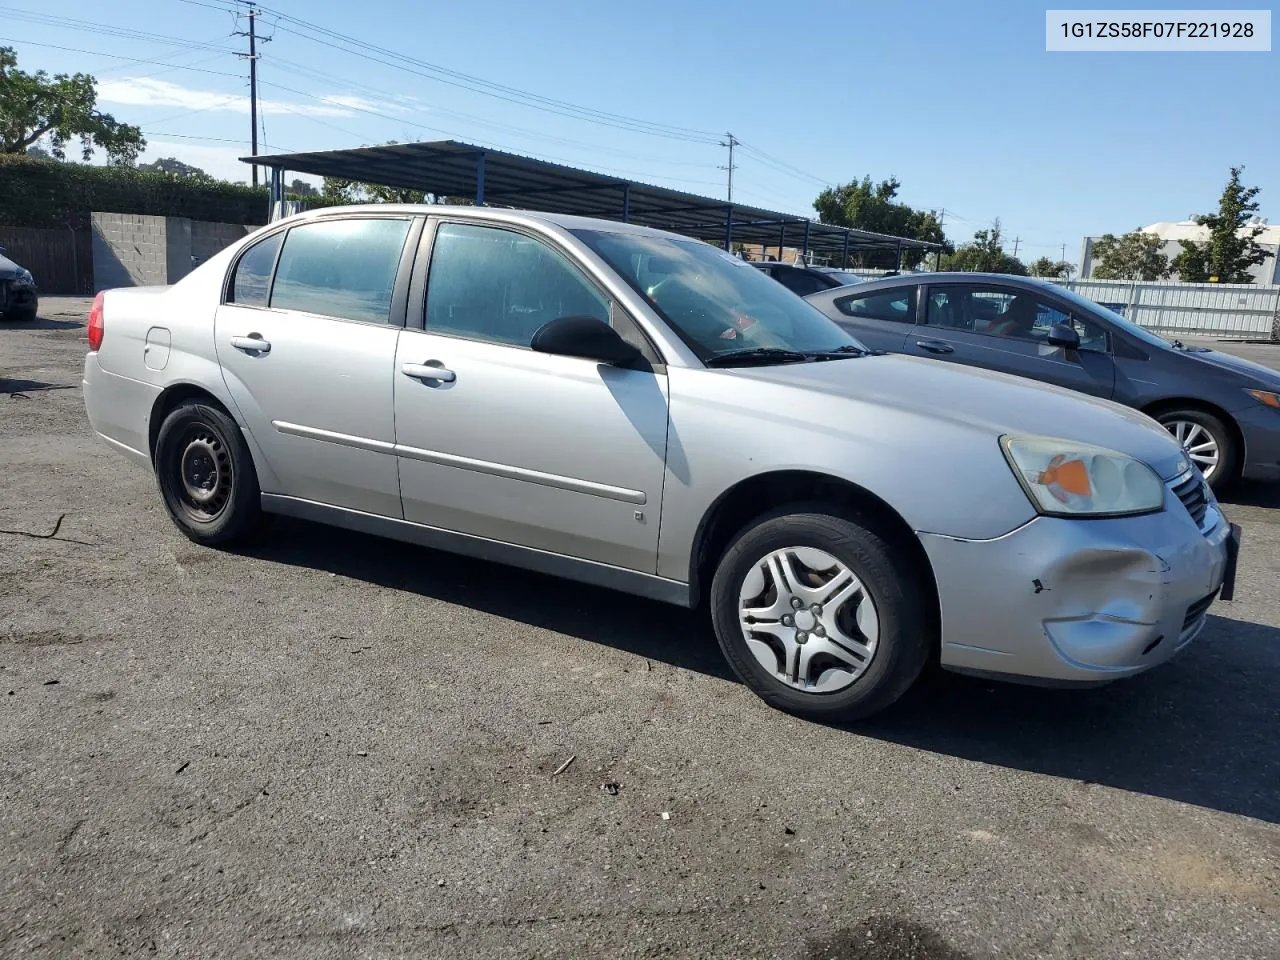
point(1232, 310)
point(1239, 310)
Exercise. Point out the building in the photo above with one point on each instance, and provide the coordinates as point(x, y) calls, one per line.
point(1268, 272)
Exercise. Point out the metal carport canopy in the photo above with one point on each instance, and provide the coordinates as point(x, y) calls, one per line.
point(449, 168)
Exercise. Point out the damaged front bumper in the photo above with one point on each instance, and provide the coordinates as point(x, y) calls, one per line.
point(1070, 602)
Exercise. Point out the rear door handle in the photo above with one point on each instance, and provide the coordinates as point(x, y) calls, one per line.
point(935, 346)
point(253, 343)
point(428, 371)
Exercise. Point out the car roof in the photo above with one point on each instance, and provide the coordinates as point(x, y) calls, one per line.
point(915, 279)
point(490, 214)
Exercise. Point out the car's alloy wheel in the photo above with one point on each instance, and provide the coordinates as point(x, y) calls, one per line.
point(808, 619)
point(823, 611)
point(1207, 442)
point(1200, 445)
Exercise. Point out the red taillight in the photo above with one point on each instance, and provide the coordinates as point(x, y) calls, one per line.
point(95, 323)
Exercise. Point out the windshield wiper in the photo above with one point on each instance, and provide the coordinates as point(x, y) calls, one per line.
point(849, 349)
point(758, 355)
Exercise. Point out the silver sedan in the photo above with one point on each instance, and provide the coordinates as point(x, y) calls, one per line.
point(642, 411)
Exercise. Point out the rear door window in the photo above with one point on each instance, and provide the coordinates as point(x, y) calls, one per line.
point(341, 268)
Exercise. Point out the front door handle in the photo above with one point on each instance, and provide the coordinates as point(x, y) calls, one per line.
point(253, 343)
point(431, 370)
point(935, 346)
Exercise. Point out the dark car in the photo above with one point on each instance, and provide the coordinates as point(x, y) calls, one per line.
point(1224, 410)
point(803, 280)
point(18, 300)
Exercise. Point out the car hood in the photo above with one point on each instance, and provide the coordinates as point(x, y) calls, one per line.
point(984, 401)
point(8, 269)
point(1255, 373)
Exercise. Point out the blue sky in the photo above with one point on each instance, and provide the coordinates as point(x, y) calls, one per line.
point(959, 100)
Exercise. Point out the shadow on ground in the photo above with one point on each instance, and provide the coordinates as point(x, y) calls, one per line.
point(8, 385)
point(1252, 493)
point(1200, 730)
point(40, 323)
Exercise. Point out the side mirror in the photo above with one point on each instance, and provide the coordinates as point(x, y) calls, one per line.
point(586, 337)
point(1064, 335)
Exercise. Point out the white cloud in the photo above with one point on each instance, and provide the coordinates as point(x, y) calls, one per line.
point(221, 162)
point(149, 92)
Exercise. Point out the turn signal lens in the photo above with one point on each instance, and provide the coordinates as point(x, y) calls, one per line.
point(1064, 477)
point(1266, 398)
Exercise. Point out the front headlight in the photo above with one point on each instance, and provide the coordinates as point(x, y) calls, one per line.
point(24, 278)
point(1066, 478)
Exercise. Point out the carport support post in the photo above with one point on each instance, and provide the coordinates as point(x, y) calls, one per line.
point(782, 239)
point(804, 253)
point(480, 179)
point(845, 262)
point(626, 203)
point(897, 263)
point(277, 192)
point(728, 229)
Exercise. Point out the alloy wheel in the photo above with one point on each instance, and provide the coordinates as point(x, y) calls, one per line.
point(1199, 444)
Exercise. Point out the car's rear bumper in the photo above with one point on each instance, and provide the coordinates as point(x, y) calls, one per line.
point(1260, 427)
point(1077, 601)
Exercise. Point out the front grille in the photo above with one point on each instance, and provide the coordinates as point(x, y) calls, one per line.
point(1196, 612)
point(1193, 496)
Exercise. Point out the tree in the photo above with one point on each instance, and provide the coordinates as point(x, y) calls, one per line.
point(40, 153)
point(173, 167)
point(1232, 247)
point(300, 188)
point(34, 106)
point(1133, 256)
point(984, 254)
point(873, 206)
point(1046, 267)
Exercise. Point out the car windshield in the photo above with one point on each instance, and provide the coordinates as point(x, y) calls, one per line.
point(1128, 326)
point(845, 278)
point(719, 304)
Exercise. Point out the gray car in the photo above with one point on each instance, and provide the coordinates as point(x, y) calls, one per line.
point(642, 411)
point(19, 299)
point(1224, 410)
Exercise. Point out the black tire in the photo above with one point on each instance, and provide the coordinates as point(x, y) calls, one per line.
point(199, 436)
point(1228, 452)
point(907, 631)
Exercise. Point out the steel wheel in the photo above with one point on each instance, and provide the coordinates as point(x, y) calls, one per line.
point(206, 476)
point(1200, 445)
point(808, 619)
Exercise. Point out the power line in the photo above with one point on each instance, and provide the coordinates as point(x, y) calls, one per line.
point(104, 29)
point(115, 56)
point(489, 88)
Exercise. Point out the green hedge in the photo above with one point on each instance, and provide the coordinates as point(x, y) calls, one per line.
point(48, 193)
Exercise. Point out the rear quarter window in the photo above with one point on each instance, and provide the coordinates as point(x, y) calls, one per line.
point(251, 283)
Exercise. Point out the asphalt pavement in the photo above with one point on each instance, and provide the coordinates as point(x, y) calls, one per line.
point(335, 746)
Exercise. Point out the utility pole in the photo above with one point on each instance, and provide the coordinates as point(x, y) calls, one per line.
point(1016, 241)
point(731, 143)
point(252, 57)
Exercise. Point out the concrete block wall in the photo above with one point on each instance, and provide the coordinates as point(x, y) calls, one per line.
point(208, 237)
point(137, 250)
point(128, 250)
